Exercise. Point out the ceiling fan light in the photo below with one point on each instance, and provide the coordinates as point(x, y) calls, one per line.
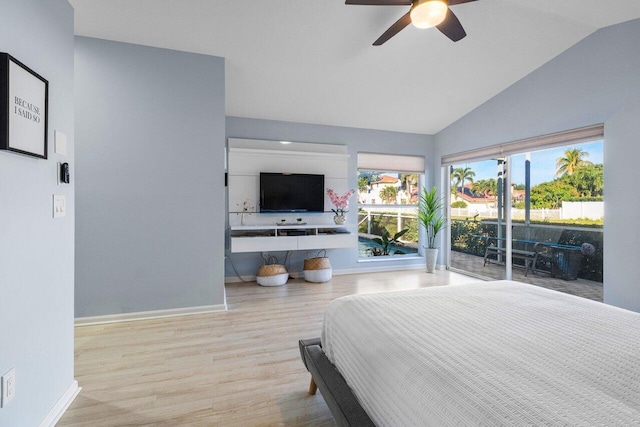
point(428, 13)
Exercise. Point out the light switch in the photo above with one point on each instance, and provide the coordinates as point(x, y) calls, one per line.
point(61, 143)
point(59, 206)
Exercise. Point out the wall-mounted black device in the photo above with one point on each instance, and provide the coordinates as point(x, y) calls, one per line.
point(64, 173)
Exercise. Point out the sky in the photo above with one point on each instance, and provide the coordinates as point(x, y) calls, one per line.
point(543, 163)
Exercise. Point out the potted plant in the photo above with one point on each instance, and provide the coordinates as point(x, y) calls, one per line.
point(341, 202)
point(386, 241)
point(431, 218)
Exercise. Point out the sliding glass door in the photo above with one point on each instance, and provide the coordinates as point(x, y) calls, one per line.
point(557, 215)
point(534, 216)
point(479, 242)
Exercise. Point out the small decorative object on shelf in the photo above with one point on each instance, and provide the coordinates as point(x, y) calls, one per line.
point(246, 209)
point(299, 220)
point(341, 202)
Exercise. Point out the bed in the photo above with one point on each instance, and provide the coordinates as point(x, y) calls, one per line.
point(491, 353)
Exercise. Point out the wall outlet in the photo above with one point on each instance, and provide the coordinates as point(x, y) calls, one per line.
point(8, 387)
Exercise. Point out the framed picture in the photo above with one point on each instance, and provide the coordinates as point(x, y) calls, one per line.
point(24, 97)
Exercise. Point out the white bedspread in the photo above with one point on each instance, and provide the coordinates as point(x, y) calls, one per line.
point(492, 354)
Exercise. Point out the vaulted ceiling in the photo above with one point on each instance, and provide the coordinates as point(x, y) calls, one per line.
point(312, 61)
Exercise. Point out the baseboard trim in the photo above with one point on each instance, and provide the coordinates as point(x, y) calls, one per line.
point(368, 269)
point(382, 269)
point(236, 279)
point(61, 405)
point(147, 315)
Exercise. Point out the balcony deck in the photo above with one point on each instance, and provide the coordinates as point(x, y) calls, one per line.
point(474, 264)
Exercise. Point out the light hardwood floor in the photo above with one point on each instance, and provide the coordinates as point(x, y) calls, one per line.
point(239, 367)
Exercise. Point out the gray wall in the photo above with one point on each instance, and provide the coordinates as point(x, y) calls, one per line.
point(36, 251)
point(621, 237)
point(585, 85)
point(356, 140)
point(150, 178)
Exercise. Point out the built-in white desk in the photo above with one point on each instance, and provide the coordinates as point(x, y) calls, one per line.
point(290, 237)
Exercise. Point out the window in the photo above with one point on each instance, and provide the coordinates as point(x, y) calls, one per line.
point(542, 202)
point(388, 200)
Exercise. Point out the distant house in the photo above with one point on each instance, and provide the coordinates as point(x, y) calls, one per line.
point(485, 201)
point(375, 188)
point(474, 199)
point(406, 192)
point(415, 196)
point(517, 195)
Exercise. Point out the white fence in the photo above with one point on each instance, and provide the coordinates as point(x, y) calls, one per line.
point(569, 210)
point(535, 214)
point(590, 210)
point(399, 212)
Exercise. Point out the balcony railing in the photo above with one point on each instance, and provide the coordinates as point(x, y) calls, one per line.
point(374, 220)
point(466, 237)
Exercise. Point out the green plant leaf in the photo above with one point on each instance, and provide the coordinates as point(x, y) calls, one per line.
point(430, 214)
point(400, 234)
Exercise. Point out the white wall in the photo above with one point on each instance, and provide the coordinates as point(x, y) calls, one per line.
point(583, 86)
point(150, 179)
point(622, 234)
point(245, 163)
point(36, 251)
point(587, 84)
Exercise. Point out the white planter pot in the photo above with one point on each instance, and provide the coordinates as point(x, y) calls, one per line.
point(432, 257)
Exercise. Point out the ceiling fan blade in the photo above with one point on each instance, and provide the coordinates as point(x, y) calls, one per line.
point(381, 2)
point(455, 2)
point(394, 29)
point(451, 27)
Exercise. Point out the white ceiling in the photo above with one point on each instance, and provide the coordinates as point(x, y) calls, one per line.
point(312, 61)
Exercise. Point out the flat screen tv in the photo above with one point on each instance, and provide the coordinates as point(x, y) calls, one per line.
point(291, 192)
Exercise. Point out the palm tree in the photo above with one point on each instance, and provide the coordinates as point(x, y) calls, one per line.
point(454, 187)
point(486, 187)
point(573, 158)
point(363, 184)
point(389, 194)
point(462, 174)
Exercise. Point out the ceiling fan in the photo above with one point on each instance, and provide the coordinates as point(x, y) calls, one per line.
point(423, 14)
